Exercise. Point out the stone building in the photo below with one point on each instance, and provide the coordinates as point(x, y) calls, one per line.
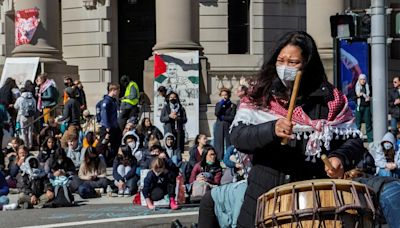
point(106, 39)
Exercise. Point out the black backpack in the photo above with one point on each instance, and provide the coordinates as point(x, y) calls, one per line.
point(62, 197)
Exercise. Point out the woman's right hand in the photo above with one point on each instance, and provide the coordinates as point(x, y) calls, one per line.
point(283, 128)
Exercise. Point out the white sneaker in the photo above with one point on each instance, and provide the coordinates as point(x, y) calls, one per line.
point(127, 192)
point(10, 207)
point(120, 192)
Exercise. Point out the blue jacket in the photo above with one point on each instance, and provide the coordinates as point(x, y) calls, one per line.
point(109, 112)
point(3, 185)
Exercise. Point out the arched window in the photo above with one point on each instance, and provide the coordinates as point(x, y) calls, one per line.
point(238, 26)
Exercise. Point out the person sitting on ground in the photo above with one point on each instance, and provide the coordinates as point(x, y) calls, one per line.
point(132, 140)
point(74, 150)
point(238, 166)
point(33, 184)
point(195, 154)
point(387, 157)
point(154, 152)
point(171, 149)
point(51, 129)
point(60, 165)
point(10, 151)
point(14, 166)
point(92, 174)
point(146, 128)
point(159, 182)
point(208, 169)
point(124, 172)
point(47, 149)
point(4, 190)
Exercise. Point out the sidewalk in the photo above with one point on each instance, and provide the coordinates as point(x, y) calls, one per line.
point(104, 199)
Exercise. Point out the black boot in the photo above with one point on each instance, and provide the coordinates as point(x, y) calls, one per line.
point(176, 224)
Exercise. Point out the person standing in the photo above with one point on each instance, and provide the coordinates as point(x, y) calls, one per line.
point(260, 125)
point(47, 94)
point(129, 102)
point(225, 111)
point(26, 106)
point(109, 119)
point(173, 115)
point(363, 108)
point(80, 95)
point(394, 105)
point(71, 112)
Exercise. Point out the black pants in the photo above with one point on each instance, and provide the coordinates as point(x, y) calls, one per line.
point(127, 111)
point(160, 190)
point(207, 217)
point(115, 142)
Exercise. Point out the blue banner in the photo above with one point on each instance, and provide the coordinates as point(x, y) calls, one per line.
point(354, 60)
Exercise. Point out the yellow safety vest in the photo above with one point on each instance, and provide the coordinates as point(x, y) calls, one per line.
point(128, 91)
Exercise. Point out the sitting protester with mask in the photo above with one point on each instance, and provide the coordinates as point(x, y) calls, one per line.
point(33, 184)
point(124, 172)
point(60, 165)
point(172, 150)
point(387, 157)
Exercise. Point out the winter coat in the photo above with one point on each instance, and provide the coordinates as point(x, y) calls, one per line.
point(215, 170)
point(4, 190)
point(380, 158)
point(176, 127)
point(25, 97)
point(271, 164)
point(72, 112)
point(225, 112)
point(173, 152)
point(87, 174)
point(67, 165)
point(109, 112)
point(48, 97)
point(394, 110)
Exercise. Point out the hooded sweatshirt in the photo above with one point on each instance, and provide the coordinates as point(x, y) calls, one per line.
point(136, 152)
point(172, 151)
point(380, 158)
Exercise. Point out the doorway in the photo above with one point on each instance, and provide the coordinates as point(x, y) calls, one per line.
point(136, 37)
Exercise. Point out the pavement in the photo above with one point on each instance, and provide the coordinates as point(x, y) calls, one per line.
point(105, 211)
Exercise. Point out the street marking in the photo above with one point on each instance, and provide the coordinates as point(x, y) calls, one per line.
point(114, 220)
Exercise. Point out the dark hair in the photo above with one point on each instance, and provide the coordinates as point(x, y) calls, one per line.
point(162, 89)
point(177, 97)
point(156, 147)
point(228, 91)
point(90, 153)
point(59, 153)
point(196, 140)
point(207, 148)
point(313, 73)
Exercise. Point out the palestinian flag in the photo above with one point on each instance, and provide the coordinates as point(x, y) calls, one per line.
point(160, 67)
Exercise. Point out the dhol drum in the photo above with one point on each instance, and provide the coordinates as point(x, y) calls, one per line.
point(317, 203)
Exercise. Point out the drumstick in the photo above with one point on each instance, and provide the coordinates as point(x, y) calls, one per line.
point(292, 101)
point(326, 162)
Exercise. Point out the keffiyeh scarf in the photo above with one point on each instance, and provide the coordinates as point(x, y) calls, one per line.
point(318, 132)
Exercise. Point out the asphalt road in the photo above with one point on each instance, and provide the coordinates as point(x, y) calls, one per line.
point(97, 215)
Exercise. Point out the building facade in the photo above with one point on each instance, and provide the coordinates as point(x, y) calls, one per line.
point(106, 39)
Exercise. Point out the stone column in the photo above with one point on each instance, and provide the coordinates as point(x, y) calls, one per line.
point(318, 26)
point(177, 25)
point(46, 40)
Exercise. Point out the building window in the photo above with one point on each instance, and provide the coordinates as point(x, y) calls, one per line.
point(238, 26)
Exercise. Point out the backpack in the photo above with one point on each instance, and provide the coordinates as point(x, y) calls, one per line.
point(98, 110)
point(28, 107)
point(62, 195)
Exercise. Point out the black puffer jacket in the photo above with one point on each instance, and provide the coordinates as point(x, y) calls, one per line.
point(275, 164)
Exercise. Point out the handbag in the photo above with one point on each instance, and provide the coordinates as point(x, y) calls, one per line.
point(199, 188)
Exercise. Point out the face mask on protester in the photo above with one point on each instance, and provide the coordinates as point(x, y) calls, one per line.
point(387, 145)
point(209, 162)
point(59, 161)
point(173, 101)
point(286, 73)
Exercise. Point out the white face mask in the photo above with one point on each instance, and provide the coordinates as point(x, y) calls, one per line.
point(286, 73)
point(132, 145)
point(387, 145)
point(157, 173)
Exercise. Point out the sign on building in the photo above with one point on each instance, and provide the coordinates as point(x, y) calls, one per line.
point(178, 72)
point(20, 69)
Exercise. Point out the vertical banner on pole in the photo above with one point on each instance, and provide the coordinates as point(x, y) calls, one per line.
point(354, 60)
point(178, 72)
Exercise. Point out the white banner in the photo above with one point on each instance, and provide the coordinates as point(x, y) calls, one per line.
point(178, 72)
point(20, 69)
